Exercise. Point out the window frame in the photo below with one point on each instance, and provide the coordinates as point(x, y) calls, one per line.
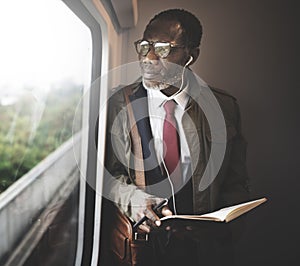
point(91, 171)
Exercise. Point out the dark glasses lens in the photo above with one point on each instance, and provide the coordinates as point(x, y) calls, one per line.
point(142, 47)
point(161, 49)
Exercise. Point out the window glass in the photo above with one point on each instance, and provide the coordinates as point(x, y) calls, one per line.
point(45, 62)
point(45, 67)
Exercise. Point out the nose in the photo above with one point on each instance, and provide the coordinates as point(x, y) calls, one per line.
point(151, 55)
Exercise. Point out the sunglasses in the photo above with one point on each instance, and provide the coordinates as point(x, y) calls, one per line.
point(161, 49)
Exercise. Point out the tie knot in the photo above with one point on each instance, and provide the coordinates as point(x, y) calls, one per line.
point(169, 107)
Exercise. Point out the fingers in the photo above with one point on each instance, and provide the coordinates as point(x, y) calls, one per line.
point(151, 213)
point(152, 216)
point(166, 211)
point(145, 228)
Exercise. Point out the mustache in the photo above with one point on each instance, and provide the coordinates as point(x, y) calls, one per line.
point(168, 73)
point(153, 66)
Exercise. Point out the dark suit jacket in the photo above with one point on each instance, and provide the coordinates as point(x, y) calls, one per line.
point(212, 126)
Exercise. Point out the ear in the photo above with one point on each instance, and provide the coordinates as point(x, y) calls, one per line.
point(194, 52)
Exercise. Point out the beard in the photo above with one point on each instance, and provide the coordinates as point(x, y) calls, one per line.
point(159, 77)
point(163, 82)
point(154, 85)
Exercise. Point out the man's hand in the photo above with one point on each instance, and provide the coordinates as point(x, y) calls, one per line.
point(146, 209)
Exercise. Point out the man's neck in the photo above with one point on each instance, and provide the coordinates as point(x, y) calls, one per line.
point(170, 91)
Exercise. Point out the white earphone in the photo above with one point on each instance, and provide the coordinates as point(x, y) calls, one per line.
point(180, 88)
point(189, 61)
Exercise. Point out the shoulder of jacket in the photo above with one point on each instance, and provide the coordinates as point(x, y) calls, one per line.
point(129, 88)
point(222, 93)
point(117, 94)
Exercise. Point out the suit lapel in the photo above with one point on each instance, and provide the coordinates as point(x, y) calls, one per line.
point(139, 104)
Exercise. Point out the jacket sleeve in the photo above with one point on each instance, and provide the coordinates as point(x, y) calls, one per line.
point(235, 188)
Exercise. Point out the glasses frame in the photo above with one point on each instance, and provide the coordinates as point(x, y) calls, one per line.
point(172, 45)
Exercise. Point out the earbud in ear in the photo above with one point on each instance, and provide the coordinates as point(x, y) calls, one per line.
point(189, 61)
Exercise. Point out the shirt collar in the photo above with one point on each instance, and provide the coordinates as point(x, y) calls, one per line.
point(158, 98)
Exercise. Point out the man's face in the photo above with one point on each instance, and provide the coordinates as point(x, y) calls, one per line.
point(161, 73)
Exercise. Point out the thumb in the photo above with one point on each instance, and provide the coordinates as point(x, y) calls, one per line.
point(166, 211)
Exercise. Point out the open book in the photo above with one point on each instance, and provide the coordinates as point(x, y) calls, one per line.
point(223, 215)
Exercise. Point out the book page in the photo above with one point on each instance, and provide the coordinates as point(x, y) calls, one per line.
point(226, 214)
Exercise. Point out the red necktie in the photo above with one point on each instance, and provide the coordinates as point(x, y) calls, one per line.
point(171, 145)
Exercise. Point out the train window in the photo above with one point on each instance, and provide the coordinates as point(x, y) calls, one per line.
point(45, 69)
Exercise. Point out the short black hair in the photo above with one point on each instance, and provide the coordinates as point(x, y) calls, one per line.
point(192, 28)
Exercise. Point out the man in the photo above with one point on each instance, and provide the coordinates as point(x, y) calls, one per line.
point(193, 152)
